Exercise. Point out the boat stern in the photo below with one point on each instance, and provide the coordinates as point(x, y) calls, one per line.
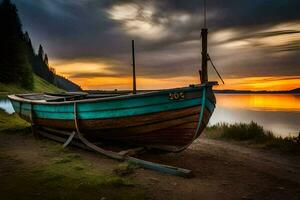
point(22, 108)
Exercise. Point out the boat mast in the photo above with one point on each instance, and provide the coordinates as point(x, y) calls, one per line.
point(133, 69)
point(204, 33)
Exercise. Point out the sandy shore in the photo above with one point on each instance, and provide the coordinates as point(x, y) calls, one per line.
point(222, 171)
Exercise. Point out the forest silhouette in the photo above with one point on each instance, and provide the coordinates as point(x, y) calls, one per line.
point(18, 60)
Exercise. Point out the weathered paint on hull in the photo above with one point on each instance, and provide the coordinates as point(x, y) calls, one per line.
point(153, 119)
point(177, 132)
point(175, 128)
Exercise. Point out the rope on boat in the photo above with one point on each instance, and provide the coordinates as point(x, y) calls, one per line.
point(69, 139)
point(31, 115)
point(32, 125)
point(142, 163)
point(145, 164)
point(212, 64)
point(110, 154)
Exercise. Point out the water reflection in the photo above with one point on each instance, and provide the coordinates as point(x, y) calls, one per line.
point(6, 105)
point(278, 113)
point(259, 102)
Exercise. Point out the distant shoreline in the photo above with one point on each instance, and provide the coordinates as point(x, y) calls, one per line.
point(295, 91)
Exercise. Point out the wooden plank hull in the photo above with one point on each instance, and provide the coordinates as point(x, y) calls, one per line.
point(154, 119)
point(171, 129)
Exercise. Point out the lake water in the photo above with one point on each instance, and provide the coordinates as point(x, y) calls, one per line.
point(277, 113)
point(6, 105)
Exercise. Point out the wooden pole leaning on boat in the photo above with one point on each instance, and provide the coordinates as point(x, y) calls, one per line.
point(133, 68)
point(120, 156)
point(145, 164)
point(110, 154)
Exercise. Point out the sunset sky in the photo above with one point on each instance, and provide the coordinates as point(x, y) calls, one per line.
point(255, 44)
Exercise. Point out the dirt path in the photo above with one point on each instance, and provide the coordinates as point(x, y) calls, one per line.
point(222, 170)
point(282, 166)
point(227, 171)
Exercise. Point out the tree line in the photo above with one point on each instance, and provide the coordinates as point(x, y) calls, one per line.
point(18, 59)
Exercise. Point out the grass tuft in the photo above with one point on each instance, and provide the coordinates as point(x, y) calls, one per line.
point(56, 173)
point(125, 169)
point(63, 161)
point(253, 134)
point(12, 123)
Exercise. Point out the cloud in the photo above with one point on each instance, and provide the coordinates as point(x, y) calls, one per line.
point(246, 38)
point(94, 75)
point(138, 20)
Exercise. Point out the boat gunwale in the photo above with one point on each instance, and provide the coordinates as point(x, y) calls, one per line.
point(121, 97)
point(125, 108)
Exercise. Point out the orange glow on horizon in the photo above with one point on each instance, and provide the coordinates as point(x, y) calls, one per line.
point(110, 79)
point(144, 83)
point(125, 83)
point(269, 83)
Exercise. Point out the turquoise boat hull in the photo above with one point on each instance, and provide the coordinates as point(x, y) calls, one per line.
point(164, 119)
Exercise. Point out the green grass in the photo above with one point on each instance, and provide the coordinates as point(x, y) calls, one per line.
point(66, 164)
point(125, 169)
point(40, 85)
point(11, 122)
point(58, 179)
point(253, 134)
point(55, 172)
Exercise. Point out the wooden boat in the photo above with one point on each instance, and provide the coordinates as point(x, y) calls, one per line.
point(167, 119)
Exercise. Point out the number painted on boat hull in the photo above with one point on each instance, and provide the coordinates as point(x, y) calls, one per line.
point(176, 96)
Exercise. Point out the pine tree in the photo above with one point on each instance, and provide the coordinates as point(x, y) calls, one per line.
point(46, 60)
point(17, 55)
point(14, 63)
point(30, 49)
point(41, 52)
point(29, 46)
